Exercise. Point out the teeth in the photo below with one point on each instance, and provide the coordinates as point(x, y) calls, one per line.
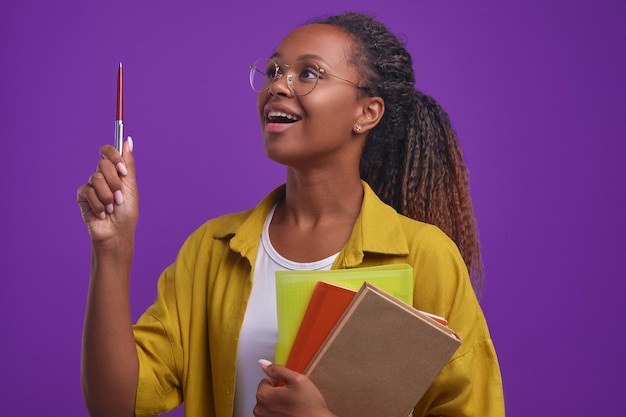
point(273, 114)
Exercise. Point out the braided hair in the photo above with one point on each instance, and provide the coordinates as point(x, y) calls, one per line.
point(412, 158)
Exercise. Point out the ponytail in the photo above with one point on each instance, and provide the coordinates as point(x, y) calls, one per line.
point(412, 158)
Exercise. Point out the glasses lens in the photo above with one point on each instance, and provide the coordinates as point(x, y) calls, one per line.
point(262, 71)
point(304, 76)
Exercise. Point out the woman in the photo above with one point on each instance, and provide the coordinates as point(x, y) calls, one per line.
point(337, 104)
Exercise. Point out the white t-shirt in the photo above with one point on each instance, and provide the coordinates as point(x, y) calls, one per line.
point(259, 331)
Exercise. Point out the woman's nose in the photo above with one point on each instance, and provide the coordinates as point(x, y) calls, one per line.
point(280, 86)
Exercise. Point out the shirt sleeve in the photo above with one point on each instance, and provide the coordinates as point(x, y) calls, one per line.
point(470, 384)
point(157, 339)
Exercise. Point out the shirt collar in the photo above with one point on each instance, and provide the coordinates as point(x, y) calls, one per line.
point(376, 230)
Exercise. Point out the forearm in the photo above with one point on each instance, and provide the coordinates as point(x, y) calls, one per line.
point(109, 359)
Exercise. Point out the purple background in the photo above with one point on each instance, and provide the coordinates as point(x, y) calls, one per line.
point(536, 93)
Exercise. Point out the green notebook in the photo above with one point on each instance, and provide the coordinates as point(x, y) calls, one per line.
point(294, 290)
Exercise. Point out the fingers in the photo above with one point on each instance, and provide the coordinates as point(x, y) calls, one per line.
point(90, 204)
point(125, 164)
point(105, 187)
point(106, 181)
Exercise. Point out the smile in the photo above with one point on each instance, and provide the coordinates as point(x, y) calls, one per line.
point(281, 117)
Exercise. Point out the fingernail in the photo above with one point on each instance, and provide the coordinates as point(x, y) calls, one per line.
point(130, 143)
point(109, 208)
point(119, 198)
point(122, 168)
point(264, 362)
point(102, 215)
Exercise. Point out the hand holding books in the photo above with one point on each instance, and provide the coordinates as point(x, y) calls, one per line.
point(298, 395)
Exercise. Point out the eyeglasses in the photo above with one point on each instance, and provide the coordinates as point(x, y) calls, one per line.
point(302, 75)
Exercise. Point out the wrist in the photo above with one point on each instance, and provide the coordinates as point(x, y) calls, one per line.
point(112, 257)
point(116, 245)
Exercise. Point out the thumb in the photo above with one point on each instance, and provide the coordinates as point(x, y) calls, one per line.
point(129, 157)
point(268, 368)
point(129, 177)
point(278, 373)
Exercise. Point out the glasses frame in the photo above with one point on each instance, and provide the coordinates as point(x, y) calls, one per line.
point(279, 74)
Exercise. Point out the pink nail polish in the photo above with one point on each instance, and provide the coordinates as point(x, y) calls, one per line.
point(122, 169)
point(119, 198)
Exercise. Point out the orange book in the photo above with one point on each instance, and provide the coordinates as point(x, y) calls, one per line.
point(327, 304)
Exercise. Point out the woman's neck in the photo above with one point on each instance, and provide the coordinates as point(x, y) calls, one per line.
point(320, 197)
point(317, 216)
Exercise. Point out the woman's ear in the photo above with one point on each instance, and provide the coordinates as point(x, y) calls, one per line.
point(371, 112)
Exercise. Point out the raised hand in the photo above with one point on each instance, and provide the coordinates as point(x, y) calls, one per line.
point(108, 201)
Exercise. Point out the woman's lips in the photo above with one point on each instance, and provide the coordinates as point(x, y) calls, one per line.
point(277, 127)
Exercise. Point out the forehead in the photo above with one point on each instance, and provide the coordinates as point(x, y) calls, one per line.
point(329, 42)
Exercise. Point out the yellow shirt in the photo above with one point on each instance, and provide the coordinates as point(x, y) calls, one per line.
point(187, 340)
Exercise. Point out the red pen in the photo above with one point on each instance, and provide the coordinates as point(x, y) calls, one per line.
point(119, 113)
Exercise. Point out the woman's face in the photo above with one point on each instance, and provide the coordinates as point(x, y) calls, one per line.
point(319, 126)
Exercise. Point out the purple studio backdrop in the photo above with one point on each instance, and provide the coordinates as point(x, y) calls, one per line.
point(535, 91)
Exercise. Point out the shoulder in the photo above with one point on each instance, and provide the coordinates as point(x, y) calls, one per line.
point(224, 225)
point(219, 228)
point(237, 230)
point(424, 238)
point(441, 276)
point(433, 251)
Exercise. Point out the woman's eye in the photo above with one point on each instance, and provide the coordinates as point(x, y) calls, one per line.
point(310, 73)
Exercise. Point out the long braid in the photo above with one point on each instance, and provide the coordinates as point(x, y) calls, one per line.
point(412, 158)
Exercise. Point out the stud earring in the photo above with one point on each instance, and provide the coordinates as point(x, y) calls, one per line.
point(357, 127)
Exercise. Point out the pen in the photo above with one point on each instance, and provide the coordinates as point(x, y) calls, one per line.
point(119, 111)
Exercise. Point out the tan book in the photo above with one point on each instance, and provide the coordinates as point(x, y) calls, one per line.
point(381, 357)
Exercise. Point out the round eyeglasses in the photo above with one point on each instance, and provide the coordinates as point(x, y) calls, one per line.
point(302, 75)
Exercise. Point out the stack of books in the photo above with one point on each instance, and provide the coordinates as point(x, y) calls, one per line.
point(369, 352)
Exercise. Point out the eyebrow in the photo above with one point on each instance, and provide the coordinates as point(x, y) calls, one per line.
point(306, 56)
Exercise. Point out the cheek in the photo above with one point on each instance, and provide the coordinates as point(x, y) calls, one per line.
point(261, 100)
point(335, 121)
point(333, 111)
